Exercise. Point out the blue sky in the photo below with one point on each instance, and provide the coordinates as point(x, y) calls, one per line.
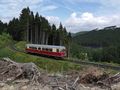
point(75, 15)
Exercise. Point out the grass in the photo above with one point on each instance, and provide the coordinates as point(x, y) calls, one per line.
point(64, 66)
point(47, 64)
point(5, 40)
point(44, 63)
point(21, 45)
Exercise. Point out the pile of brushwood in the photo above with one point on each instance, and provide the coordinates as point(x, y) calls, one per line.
point(11, 71)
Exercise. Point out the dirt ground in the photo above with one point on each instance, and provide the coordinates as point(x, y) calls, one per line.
point(23, 86)
point(26, 76)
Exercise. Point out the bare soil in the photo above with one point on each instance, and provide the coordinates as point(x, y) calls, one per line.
point(27, 76)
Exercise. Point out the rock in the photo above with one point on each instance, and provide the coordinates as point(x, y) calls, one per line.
point(11, 88)
point(21, 81)
point(36, 88)
point(4, 88)
point(46, 88)
point(2, 84)
point(82, 87)
point(116, 86)
point(24, 88)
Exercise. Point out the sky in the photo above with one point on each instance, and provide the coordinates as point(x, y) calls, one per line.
point(75, 15)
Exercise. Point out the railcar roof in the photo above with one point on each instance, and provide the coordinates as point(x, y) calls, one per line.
point(48, 46)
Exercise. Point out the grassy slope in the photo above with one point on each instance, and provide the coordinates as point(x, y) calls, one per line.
point(20, 45)
point(5, 40)
point(59, 64)
point(44, 63)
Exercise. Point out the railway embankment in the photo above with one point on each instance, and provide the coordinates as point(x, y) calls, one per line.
point(115, 67)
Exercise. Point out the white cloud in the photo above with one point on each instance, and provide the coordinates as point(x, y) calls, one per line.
point(104, 2)
point(48, 8)
point(110, 2)
point(88, 21)
point(53, 20)
point(105, 6)
point(12, 8)
point(75, 22)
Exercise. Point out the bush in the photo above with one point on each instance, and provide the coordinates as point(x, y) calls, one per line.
point(21, 45)
point(45, 63)
point(5, 40)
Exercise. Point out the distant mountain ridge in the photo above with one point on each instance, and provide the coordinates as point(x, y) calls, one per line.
point(79, 33)
point(99, 37)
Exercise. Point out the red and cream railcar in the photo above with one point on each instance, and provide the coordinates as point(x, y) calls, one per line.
point(48, 50)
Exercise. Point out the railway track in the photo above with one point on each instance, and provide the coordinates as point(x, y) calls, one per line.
point(77, 61)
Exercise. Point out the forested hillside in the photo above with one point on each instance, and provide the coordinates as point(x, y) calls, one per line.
point(100, 45)
point(99, 38)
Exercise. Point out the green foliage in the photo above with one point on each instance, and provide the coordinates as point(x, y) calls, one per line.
point(100, 45)
point(21, 45)
point(5, 53)
point(5, 39)
point(37, 30)
point(77, 51)
point(44, 63)
point(3, 27)
point(14, 29)
point(99, 38)
point(106, 54)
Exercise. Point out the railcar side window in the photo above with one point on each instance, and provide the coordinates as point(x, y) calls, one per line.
point(32, 47)
point(43, 49)
point(50, 50)
point(46, 49)
point(39, 48)
point(57, 50)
